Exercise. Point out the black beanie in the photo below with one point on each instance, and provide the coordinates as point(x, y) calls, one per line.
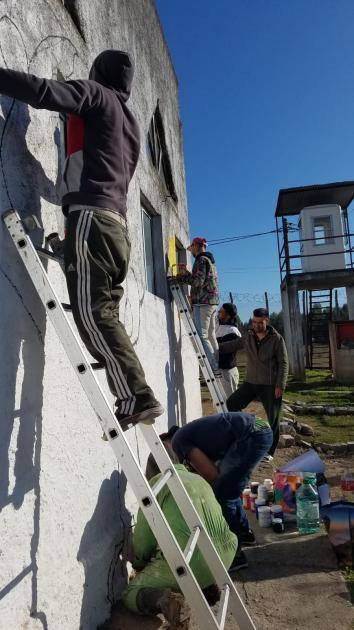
point(231, 310)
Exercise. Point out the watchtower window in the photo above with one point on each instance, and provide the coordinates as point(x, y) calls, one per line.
point(323, 230)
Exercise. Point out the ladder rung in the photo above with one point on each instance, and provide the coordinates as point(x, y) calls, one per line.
point(222, 608)
point(162, 481)
point(45, 253)
point(190, 546)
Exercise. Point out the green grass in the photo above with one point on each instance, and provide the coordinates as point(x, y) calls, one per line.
point(319, 388)
point(330, 429)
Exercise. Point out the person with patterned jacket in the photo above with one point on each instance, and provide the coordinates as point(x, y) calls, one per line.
point(204, 296)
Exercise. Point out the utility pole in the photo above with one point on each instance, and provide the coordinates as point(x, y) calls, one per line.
point(266, 301)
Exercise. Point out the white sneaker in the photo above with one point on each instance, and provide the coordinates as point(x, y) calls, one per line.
point(267, 458)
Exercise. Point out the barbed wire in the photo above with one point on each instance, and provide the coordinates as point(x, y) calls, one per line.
point(249, 298)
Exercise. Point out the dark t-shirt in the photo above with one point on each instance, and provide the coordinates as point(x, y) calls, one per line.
point(213, 434)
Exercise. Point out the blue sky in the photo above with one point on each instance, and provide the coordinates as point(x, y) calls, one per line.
point(267, 102)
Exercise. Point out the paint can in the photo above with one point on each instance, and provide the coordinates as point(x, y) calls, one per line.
point(258, 503)
point(277, 512)
point(264, 517)
point(278, 525)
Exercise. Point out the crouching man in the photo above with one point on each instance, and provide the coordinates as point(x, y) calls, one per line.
point(154, 589)
point(225, 449)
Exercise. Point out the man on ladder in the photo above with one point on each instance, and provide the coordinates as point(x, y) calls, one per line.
point(103, 151)
point(204, 297)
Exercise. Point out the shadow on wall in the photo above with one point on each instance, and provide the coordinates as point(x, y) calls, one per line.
point(23, 324)
point(104, 551)
point(176, 394)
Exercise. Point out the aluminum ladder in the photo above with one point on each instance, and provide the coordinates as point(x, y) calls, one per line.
point(214, 385)
point(178, 559)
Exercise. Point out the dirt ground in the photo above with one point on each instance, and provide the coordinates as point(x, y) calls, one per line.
point(292, 582)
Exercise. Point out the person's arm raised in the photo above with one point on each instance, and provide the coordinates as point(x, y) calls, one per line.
point(70, 97)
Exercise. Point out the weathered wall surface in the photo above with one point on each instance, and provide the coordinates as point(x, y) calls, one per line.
point(65, 509)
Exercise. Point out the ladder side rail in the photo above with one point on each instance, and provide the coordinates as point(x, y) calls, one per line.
point(216, 389)
point(193, 520)
point(96, 396)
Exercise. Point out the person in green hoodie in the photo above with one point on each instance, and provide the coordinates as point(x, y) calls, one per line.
point(150, 590)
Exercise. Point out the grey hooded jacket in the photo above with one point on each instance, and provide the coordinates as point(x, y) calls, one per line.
point(103, 136)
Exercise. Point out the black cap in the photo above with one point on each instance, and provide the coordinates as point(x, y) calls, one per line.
point(260, 312)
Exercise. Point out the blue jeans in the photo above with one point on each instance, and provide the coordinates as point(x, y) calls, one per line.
point(235, 470)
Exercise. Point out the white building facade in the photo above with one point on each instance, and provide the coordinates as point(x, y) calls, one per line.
point(66, 510)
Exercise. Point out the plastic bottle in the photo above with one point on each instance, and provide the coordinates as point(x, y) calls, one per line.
point(347, 487)
point(253, 498)
point(268, 483)
point(262, 492)
point(246, 498)
point(307, 506)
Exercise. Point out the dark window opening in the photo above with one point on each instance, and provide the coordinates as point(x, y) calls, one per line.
point(181, 253)
point(71, 7)
point(157, 147)
point(154, 264)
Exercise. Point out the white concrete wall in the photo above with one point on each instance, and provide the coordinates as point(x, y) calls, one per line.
point(65, 508)
point(324, 257)
point(342, 358)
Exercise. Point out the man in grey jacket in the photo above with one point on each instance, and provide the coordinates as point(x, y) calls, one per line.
point(266, 374)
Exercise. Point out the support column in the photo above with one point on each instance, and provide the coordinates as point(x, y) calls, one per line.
point(350, 301)
point(293, 329)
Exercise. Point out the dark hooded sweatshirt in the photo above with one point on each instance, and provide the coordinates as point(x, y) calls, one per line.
point(103, 136)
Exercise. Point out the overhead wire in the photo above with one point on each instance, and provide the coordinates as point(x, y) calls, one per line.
point(231, 239)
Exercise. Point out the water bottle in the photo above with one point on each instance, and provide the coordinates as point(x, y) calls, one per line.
point(307, 506)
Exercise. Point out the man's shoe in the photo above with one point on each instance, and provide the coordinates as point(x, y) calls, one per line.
point(239, 562)
point(267, 459)
point(176, 611)
point(247, 538)
point(146, 416)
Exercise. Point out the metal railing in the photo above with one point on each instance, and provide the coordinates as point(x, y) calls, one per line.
point(288, 258)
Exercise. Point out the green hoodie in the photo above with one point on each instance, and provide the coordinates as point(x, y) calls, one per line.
point(203, 498)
